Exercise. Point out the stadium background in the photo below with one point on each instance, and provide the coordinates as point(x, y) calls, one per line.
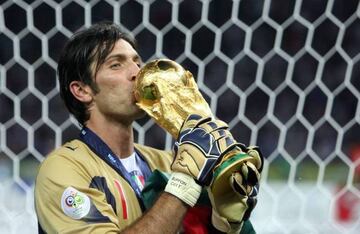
point(284, 74)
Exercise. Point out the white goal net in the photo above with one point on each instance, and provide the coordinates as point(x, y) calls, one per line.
point(285, 75)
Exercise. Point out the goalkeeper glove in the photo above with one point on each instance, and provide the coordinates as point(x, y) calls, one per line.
point(200, 146)
point(233, 200)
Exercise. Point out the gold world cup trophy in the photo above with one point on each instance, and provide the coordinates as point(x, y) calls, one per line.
point(169, 94)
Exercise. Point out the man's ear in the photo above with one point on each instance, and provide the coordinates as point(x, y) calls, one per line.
point(81, 91)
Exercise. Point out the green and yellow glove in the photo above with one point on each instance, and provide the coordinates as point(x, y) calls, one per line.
point(233, 193)
point(201, 144)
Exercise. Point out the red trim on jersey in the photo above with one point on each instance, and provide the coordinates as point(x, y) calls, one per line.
point(122, 198)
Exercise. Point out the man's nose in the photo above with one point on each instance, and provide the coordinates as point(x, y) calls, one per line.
point(135, 70)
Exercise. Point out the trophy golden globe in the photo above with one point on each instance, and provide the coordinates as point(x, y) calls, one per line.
point(169, 94)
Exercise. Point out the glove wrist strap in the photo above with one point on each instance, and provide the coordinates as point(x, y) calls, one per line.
point(183, 187)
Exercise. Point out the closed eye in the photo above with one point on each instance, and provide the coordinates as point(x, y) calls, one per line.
point(115, 65)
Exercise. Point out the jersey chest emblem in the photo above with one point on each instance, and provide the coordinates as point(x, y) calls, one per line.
point(74, 203)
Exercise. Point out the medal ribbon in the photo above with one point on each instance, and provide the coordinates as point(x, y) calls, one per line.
point(105, 153)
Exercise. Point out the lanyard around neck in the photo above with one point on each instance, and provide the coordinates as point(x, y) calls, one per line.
point(104, 152)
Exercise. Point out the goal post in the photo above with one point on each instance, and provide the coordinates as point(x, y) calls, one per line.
point(285, 75)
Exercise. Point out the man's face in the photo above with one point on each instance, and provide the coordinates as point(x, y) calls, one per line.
point(115, 80)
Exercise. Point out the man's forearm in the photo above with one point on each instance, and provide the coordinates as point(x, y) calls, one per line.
point(165, 216)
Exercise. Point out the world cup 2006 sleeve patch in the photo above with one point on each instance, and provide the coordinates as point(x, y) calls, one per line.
point(74, 203)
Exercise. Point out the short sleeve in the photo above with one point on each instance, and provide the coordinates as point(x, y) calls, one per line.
point(66, 203)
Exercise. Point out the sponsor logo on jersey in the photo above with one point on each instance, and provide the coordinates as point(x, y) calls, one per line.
point(71, 148)
point(113, 160)
point(74, 203)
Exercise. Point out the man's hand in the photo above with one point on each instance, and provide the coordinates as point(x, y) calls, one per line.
point(233, 206)
point(201, 144)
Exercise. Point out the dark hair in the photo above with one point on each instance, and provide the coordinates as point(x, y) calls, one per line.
point(86, 49)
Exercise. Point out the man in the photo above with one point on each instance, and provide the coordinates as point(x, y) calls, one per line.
point(93, 184)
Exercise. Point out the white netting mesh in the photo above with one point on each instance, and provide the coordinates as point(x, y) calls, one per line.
point(284, 75)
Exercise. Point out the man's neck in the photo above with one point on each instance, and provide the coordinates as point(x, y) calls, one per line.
point(119, 137)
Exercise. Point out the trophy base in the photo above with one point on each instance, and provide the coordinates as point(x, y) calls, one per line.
point(221, 182)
